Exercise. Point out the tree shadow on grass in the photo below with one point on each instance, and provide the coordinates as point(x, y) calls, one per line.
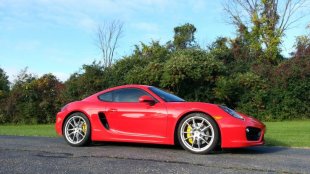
point(274, 142)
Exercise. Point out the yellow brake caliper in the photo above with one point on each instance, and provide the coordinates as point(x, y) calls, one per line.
point(188, 130)
point(84, 128)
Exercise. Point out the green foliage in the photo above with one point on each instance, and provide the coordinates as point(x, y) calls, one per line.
point(184, 36)
point(192, 73)
point(4, 91)
point(151, 74)
point(302, 46)
point(89, 80)
point(231, 90)
point(4, 83)
point(33, 100)
point(262, 29)
point(143, 67)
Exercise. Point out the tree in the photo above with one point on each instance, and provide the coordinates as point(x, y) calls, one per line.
point(44, 96)
point(302, 46)
point(108, 36)
point(17, 104)
point(231, 89)
point(4, 91)
point(4, 83)
point(32, 100)
point(191, 73)
point(220, 49)
point(184, 36)
point(23, 77)
point(149, 71)
point(263, 24)
point(88, 80)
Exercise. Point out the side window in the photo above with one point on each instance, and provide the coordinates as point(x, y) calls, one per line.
point(108, 97)
point(128, 95)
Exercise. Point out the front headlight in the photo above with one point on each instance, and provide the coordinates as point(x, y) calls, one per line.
point(231, 112)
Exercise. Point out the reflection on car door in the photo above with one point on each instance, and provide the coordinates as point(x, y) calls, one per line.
point(129, 118)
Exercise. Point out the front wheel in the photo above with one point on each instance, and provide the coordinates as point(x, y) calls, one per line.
point(76, 129)
point(198, 133)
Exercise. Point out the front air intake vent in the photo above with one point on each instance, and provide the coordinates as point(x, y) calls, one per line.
point(253, 133)
point(103, 120)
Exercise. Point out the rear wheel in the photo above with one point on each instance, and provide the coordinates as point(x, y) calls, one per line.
point(76, 129)
point(198, 133)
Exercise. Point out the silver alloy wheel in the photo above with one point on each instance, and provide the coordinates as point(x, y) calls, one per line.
point(75, 129)
point(197, 133)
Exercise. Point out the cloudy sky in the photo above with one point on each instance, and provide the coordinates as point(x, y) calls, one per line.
point(59, 36)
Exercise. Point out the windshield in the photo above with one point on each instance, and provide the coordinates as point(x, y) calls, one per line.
point(167, 97)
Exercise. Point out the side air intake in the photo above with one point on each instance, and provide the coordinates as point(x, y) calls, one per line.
point(103, 120)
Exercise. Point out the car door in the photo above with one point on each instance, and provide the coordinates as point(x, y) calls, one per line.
point(130, 118)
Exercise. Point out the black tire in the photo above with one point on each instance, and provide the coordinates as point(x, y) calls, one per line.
point(86, 132)
point(198, 134)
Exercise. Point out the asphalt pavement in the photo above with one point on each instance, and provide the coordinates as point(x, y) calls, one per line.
point(54, 155)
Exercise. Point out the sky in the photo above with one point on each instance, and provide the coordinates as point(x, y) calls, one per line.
point(59, 36)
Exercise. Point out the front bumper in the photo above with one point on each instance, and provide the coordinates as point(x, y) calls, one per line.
point(59, 121)
point(242, 133)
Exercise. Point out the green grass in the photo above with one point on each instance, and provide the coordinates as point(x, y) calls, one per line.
point(285, 133)
point(28, 130)
point(288, 133)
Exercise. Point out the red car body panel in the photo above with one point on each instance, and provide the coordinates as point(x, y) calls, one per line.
point(144, 123)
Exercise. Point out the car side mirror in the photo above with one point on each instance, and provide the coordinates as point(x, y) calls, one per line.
point(147, 99)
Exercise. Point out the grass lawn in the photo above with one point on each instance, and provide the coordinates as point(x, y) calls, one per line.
point(28, 130)
point(286, 133)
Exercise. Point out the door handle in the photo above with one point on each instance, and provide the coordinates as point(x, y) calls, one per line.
point(112, 110)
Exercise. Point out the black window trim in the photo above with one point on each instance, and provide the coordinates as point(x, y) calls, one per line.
point(98, 97)
point(156, 101)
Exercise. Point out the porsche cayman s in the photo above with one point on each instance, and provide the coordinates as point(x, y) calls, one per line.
point(146, 114)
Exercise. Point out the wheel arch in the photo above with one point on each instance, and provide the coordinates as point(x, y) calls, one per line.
point(175, 135)
point(72, 112)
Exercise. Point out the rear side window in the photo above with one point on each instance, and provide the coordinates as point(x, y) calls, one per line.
point(108, 97)
point(128, 95)
point(123, 95)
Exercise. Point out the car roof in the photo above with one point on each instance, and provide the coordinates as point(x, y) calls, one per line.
point(127, 86)
point(132, 85)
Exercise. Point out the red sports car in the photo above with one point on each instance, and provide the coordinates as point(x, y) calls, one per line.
point(145, 114)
